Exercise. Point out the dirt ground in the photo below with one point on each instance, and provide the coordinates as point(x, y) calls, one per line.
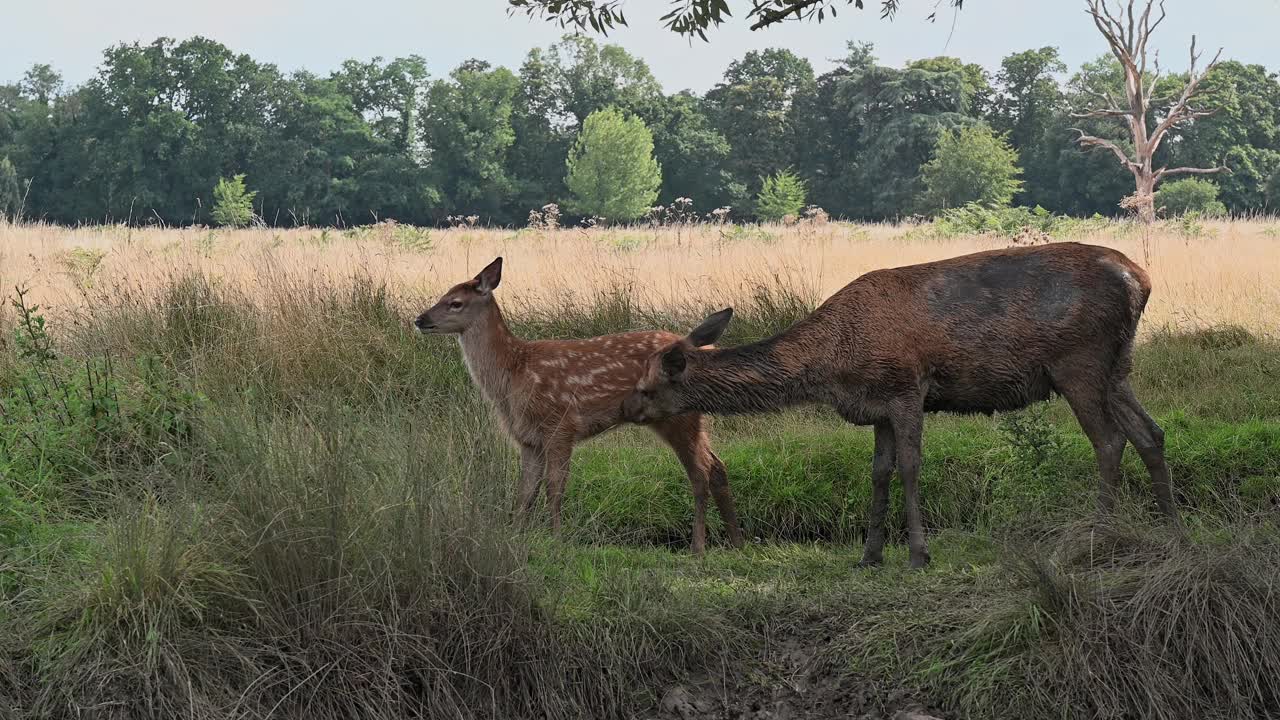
point(790, 680)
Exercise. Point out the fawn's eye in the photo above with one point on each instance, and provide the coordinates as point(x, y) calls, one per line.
point(455, 304)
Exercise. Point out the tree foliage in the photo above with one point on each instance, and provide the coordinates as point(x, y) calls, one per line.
point(970, 165)
point(612, 171)
point(781, 195)
point(10, 195)
point(151, 134)
point(469, 134)
point(695, 17)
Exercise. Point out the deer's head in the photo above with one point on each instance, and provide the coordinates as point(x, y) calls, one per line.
point(464, 304)
point(670, 379)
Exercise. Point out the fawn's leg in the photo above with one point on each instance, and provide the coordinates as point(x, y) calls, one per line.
point(556, 458)
point(719, 477)
point(882, 465)
point(684, 434)
point(532, 471)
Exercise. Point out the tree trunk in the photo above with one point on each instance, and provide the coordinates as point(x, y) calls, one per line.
point(1145, 200)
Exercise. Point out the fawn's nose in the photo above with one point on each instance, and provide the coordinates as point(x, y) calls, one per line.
point(423, 323)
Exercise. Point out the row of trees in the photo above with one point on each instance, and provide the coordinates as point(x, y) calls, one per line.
point(152, 135)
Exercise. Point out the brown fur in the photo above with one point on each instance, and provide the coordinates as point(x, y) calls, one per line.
point(990, 331)
point(550, 395)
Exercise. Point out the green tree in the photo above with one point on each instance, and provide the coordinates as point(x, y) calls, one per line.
point(536, 159)
point(970, 165)
point(1180, 197)
point(1243, 131)
point(585, 76)
point(755, 107)
point(612, 171)
point(469, 134)
point(232, 202)
point(1029, 102)
point(692, 153)
point(896, 115)
point(10, 195)
point(781, 194)
point(1273, 192)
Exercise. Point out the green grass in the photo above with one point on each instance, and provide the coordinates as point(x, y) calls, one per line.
point(290, 505)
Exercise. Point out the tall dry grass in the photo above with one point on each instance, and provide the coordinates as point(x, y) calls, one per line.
point(1222, 273)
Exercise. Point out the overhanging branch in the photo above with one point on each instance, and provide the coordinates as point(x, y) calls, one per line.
point(1166, 172)
point(1091, 141)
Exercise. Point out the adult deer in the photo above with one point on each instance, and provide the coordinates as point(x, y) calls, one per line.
point(550, 395)
point(986, 332)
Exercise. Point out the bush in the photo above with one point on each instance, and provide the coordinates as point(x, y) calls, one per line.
point(1273, 192)
point(232, 203)
point(971, 165)
point(780, 195)
point(1190, 195)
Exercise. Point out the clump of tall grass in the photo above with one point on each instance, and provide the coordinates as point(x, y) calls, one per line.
point(1108, 619)
point(336, 563)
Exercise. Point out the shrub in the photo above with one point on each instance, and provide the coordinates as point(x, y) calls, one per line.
point(1010, 221)
point(612, 171)
point(780, 195)
point(1190, 195)
point(971, 165)
point(233, 203)
point(1273, 191)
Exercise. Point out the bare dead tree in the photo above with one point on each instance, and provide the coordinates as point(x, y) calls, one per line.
point(1128, 31)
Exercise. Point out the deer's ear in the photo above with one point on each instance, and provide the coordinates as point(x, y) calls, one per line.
point(489, 277)
point(674, 362)
point(711, 329)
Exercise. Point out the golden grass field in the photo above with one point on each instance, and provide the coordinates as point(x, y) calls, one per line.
point(1229, 272)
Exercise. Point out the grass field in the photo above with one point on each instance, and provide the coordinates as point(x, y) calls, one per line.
point(234, 484)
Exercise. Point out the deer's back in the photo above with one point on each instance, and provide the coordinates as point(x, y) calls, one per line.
point(987, 331)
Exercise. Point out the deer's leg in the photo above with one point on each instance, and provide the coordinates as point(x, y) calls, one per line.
point(881, 474)
point(1088, 393)
point(685, 436)
point(1148, 438)
point(719, 478)
point(532, 471)
point(908, 427)
point(557, 456)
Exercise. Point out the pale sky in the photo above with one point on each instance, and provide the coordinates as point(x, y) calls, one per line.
point(319, 34)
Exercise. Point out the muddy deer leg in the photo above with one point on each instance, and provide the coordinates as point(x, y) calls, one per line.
point(881, 474)
point(684, 435)
point(907, 431)
point(1148, 438)
point(558, 454)
point(719, 478)
point(532, 470)
point(1091, 406)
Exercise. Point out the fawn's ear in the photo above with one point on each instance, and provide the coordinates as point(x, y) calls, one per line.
point(711, 329)
point(674, 362)
point(489, 277)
